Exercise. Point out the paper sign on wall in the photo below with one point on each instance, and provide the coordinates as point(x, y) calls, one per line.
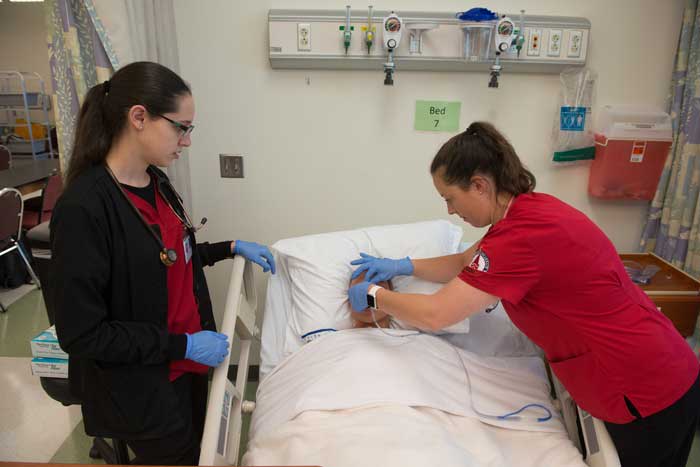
point(437, 115)
point(572, 118)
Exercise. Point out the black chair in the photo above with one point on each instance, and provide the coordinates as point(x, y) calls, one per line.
point(11, 229)
point(39, 209)
point(5, 158)
point(59, 388)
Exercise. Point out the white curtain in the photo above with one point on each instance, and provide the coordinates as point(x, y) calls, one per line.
point(144, 30)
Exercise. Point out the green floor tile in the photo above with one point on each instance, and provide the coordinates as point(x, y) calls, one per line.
point(23, 320)
point(75, 449)
point(694, 458)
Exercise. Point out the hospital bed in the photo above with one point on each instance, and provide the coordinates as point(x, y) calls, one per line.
point(294, 435)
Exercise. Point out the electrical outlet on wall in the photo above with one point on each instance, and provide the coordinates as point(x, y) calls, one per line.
point(534, 42)
point(554, 47)
point(575, 43)
point(304, 37)
point(231, 165)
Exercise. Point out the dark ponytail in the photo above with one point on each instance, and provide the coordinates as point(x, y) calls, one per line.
point(102, 116)
point(482, 149)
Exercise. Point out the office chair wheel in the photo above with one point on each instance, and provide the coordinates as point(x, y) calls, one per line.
point(94, 453)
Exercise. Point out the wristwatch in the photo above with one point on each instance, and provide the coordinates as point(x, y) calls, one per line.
point(372, 296)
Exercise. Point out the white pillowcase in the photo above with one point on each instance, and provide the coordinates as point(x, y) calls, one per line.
point(309, 291)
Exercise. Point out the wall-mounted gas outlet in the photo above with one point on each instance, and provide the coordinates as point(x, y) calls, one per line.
point(554, 45)
point(304, 37)
point(575, 40)
point(534, 42)
point(231, 165)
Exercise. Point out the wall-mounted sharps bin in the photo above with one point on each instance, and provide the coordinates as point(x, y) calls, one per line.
point(631, 150)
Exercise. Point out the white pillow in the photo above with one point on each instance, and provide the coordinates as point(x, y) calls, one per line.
point(318, 270)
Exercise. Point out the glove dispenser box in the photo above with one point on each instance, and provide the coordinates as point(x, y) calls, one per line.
point(631, 148)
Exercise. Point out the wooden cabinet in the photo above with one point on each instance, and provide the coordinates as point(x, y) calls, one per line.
point(676, 293)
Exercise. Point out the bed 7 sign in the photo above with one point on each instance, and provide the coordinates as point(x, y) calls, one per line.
point(437, 116)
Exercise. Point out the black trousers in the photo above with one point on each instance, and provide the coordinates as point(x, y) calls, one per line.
point(662, 439)
point(181, 447)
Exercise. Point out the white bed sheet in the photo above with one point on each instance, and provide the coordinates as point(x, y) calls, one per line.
point(381, 400)
point(398, 436)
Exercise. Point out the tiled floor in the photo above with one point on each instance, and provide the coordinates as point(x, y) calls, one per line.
point(34, 427)
point(694, 459)
point(10, 296)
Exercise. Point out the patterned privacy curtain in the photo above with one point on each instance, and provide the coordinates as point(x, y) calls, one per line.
point(90, 39)
point(672, 228)
point(78, 61)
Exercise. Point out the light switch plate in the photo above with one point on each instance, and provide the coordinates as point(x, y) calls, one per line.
point(231, 165)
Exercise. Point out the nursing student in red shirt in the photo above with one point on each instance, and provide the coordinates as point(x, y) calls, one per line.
point(562, 283)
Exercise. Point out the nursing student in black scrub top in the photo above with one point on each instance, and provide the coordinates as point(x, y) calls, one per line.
point(127, 288)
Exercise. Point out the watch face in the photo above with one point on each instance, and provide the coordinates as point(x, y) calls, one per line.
point(370, 301)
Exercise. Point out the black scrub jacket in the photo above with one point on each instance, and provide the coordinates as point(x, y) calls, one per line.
point(108, 292)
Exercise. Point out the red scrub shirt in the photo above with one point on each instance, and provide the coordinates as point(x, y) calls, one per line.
point(563, 284)
point(183, 312)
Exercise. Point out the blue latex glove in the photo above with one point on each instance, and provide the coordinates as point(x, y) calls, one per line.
point(207, 347)
point(381, 269)
point(259, 254)
point(358, 296)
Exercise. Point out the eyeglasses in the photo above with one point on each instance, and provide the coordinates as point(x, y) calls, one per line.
point(184, 130)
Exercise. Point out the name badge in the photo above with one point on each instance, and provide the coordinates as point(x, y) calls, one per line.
point(187, 247)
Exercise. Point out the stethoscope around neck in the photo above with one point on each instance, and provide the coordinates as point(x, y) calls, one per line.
point(167, 256)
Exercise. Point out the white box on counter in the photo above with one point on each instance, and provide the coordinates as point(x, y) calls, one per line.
point(46, 345)
point(50, 367)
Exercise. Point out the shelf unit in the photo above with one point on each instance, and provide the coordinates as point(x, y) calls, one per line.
point(23, 96)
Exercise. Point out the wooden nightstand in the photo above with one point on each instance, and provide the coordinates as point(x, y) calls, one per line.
point(676, 293)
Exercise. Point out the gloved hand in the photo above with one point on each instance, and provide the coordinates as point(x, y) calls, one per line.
point(207, 347)
point(358, 296)
point(381, 269)
point(256, 253)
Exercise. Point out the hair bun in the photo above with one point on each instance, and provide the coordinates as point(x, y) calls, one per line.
point(472, 130)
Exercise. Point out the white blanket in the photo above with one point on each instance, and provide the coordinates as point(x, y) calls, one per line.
point(396, 436)
point(359, 396)
point(365, 367)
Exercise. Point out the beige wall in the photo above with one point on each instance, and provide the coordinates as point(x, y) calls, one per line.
point(341, 152)
point(23, 39)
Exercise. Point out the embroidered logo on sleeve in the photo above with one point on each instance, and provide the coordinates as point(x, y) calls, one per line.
point(480, 262)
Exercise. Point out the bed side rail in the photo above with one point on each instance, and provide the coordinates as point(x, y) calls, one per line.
point(225, 407)
point(598, 448)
